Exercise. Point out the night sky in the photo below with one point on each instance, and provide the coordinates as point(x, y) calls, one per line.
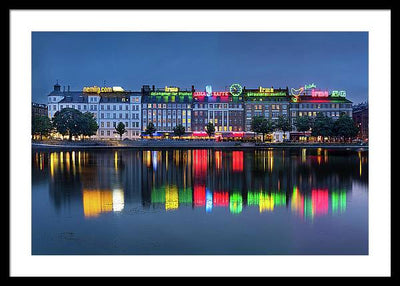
point(331, 60)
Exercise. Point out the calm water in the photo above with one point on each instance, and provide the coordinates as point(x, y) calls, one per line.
point(272, 201)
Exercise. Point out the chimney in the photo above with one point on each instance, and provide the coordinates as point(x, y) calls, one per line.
point(153, 87)
point(68, 88)
point(192, 88)
point(57, 87)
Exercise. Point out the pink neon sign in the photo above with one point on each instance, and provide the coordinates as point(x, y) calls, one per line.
point(319, 93)
point(214, 93)
point(199, 93)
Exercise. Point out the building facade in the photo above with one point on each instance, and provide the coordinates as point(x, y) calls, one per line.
point(39, 109)
point(266, 102)
point(109, 106)
point(360, 117)
point(166, 108)
point(311, 102)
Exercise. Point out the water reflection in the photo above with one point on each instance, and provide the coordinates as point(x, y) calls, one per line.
point(300, 181)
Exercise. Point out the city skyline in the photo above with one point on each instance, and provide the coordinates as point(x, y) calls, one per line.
point(331, 60)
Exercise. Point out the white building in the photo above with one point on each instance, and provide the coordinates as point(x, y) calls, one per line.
point(108, 105)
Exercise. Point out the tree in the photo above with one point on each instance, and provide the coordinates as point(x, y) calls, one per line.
point(41, 125)
point(256, 123)
point(303, 123)
point(89, 125)
point(283, 124)
point(68, 121)
point(210, 129)
point(150, 129)
point(267, 126)
point(179, 130)
point(120, 130)
point(345, 127)
point(322, 126)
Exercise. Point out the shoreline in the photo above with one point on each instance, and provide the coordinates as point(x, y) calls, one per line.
point(196, 145)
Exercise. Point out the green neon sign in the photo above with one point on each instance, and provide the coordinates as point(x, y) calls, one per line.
point(338, 93)
point(279, 93)
point(161, 93)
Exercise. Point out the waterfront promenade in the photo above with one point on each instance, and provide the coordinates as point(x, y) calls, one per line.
point(185, 144)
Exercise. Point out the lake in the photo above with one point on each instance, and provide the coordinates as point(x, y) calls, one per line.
point(200, 202)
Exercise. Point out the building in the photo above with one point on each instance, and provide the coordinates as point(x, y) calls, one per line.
point(109, 105)
point(266, 102)
point(39, 109)
point(309, 101)
point(166, 108)
point(360, 117)
point(222, 108)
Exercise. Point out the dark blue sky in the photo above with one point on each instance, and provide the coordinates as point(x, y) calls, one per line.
point(331, 60)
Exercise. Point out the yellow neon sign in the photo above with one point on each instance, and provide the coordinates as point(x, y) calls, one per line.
point(171, 89)
point(97, 89)
point(266, 89)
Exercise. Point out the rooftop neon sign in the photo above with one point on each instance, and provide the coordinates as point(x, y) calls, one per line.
point(213, 93)
point(278, 93)
point(171, 89)
point(179, 93)
point(296, 92)
point(319, 93)
point(309, 86)
point(338, 93)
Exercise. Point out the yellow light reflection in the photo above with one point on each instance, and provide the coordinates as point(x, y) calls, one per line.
point(52, 165)
point(171, 197)
point(270, 161)
point(67, 161)
point(303, 155)
point(116, 160)
point(96, 202)
point(359, 156)
point(266, 203)
point(73, 162)
point(218, 158)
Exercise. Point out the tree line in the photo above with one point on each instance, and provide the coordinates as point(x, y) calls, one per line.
point(321, 125)
point(68, 122)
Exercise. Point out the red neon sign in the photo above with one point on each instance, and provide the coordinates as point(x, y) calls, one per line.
point(199, 133)
point(319, 93)
point(214, 93)
point(199, 93)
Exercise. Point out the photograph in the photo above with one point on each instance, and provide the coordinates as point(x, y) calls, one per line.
point(200, 143)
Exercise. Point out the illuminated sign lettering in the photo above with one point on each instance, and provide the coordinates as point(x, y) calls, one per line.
point(171, 89)
point(338, 93)
point(199, 93)
point(309, 86)
point(319, 93)
point(180, 93)
point(296, 92)
point(280, 93)
point(220, 93)
point(266, 89)
point(209, 90)
point(97, 89)
point(214, 93)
